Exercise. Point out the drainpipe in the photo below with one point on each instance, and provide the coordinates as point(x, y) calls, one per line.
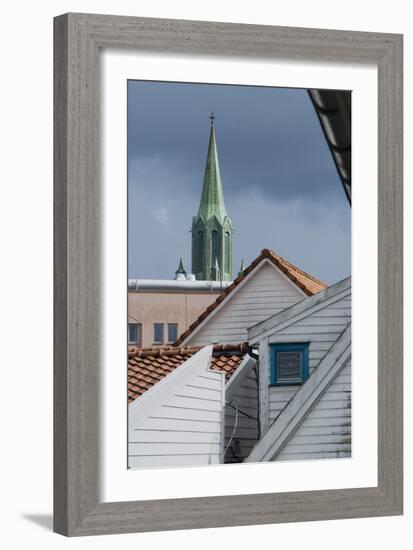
point(256, 358)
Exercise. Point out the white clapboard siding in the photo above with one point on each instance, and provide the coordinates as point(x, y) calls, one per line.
point(179, 421)
point(174, 412)
point(318, 396)
point(242, 436)
point(264, 292)
point(279, 397)
point(327, 436)
point(321, 329)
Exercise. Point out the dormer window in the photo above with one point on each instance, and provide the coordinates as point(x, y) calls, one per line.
point(289, 364)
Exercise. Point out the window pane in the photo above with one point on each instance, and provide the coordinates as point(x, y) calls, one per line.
point(135, 333)
point(158, 333)
point(172, 332)
point(132, 334)
point(200, 256)
point(289, 365)
point(215, 247)
point(227, 253)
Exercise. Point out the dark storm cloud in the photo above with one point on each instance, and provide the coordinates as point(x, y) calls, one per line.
point(280, 183)
point(268, 138)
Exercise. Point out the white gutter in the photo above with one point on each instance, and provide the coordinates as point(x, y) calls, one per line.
point(165, 284)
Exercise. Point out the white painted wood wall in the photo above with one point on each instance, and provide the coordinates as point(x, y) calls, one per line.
point(243, 395)
point(326, 430)
point(265, 291)
point(314, 394)
point(320, 321)
point(321, 329)
point(179, 421)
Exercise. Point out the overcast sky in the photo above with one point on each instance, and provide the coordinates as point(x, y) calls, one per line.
point(280, 184)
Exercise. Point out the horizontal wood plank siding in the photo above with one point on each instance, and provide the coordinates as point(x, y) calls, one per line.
point(328, 435)
point(184, 428)
point(321, 329)
point(245, 398)
point(265, 293)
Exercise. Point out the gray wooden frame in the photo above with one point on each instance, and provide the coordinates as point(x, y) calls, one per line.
point(78, 39)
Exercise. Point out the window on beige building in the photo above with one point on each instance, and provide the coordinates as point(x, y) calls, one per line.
point(135, 334)
point(172, 332)
point(158, 330)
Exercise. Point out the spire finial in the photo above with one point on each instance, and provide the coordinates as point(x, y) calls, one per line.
point(180, 272)
point(212, 118)
point(242, 267)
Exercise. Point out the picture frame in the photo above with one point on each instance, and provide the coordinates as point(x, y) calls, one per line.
point(78, 39)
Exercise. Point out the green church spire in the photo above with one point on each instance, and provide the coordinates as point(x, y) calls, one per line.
point(212, 198)
point(212, 227)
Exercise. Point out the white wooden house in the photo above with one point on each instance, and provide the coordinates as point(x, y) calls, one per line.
point(266, 287)
point(198, 402)
point(284, 394)
point(305, 378)
point(177, 402)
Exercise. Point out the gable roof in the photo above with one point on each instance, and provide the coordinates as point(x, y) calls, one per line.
point(306, 282)
point(147, 366)
point(288, 315)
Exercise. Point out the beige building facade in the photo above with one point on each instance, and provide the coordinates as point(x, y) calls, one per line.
point(160, 311)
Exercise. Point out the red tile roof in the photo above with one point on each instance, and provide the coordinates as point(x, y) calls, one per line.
point(147, 366)
point(306, 282)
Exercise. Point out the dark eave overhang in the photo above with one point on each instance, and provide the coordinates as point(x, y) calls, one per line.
point(333, 108)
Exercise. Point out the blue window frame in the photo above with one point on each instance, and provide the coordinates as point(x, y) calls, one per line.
point(289, 364)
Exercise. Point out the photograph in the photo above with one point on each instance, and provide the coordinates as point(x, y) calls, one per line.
point(239, 274)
